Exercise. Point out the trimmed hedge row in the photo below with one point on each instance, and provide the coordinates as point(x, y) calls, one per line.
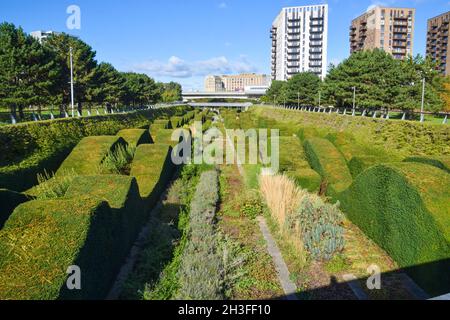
point(43, 238)
point(405, 209)
point(438, 162)
point(122, 195)
point(152, 166)
point(88, 155)
point(163, 136)
point(177, 122)
point(403, 137)
point(161, 124)
point(329, 163)
point(29, 148)
point(136, 137)
point(9, 200)
point(293, 162)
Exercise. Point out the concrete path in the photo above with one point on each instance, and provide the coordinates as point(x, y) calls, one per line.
point(283, 274)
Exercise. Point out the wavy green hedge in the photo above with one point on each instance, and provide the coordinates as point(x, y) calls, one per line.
point(122, 195)
point(161, 124)
point(152, 166)
point(29, 148)
point(163, 136)
point(405, 209)
point(442, 162)
point(43, 238)
point(323, 157)
point(88, 155)
point(136, 137)
point(9, 200)
point(177, 122)
point(294, 163)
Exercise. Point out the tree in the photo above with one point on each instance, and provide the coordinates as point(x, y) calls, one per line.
point(28, 72)
point(305, 85)
point(274, 94)
point(372, 73)
point(140, 89)
point(109, 85)
point(84, 66)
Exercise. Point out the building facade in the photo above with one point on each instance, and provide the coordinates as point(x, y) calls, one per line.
point(214, 84)
point(235, 83)
point(437, 42)
point(42, 35)
point(300, 41)
point(390, 29)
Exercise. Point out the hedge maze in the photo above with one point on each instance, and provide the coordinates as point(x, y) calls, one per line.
point(92, 225)
point(398, 199)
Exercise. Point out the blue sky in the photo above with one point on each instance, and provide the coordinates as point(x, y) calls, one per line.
point(184, 40)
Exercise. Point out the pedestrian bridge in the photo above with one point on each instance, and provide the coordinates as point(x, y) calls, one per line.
point(220, 105)
point(246, 95)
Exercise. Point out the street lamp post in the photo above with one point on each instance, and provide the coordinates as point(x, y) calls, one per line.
point(72, 99)
point(320, 97)
point(298, 96)
point(354, 98)
point(422, 107)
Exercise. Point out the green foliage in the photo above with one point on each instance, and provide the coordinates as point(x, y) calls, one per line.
point(404, 208)
point(442, 162)
point(52, 186)
point(42, 239)
point(275, 92)
point(127, 212)
point(329, 163)
point(320, 227)
point(28, 72)
point(382, 82)
point(152, 167)
point(202, 265)
point(9, 201)
point(251, 206)
point(29, 149)
point(136, 137)
point(302, 88)
point(118, 160)
point(87, 157)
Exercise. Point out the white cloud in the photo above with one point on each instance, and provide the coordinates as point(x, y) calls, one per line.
point(223, 5)
point(176, 67)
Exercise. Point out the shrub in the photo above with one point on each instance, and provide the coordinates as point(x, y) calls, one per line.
point(251, 206)
point(9, 201)
point(177, 122)
point(320, 226)
point(88, 155)
point(442, 162)
point(203, 267)
point(136, 137)
point(42, 239)
point(329, 163)
point(30, 148)
point(161, 124)
point(52, 186)
point(122, 195)
point(118, 160)
point(404, 208)
point(359, 164)
point(308, 222)
point(293, 162)
point(152, 166)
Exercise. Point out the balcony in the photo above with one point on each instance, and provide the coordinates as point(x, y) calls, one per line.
point(401, 30)
point(315, 37)
point(293, 44)
point(315, 44)
point(293, 31)
point(315, 50)
point(293, 65)
point(316, 57)
point(292, 71)
point(400, 23)
point(293, 58)
point(293, 38)
point(316, 30)
point(293, 51)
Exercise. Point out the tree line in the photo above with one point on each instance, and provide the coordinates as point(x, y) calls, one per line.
point(38, 74)
point(379, 80)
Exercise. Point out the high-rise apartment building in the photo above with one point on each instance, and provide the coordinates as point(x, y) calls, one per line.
point(42, 35)
point(300, 41)
point(235, 83)
point(437, 42)
point(390, 29)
